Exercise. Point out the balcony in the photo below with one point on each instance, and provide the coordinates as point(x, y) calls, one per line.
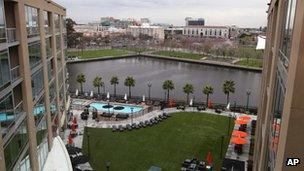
point(11, 35)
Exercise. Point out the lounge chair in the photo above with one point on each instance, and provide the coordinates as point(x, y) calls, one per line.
point(114, 128)
point(128, 126)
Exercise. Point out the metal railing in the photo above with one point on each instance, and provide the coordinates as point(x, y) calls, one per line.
point(15, 73)
point(11, 35)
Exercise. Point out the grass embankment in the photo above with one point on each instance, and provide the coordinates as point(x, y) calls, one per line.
point(258, 63)
point(179, 55)
point(167, 144)
point(87, 54)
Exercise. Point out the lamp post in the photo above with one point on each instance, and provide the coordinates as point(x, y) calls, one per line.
point(149, 91)
point(108, 165)
point(248, 94)
point(132, 115)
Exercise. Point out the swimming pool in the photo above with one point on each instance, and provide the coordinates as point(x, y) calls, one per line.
point(116, 108)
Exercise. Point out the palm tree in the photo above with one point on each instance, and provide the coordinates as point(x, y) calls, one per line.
point(114, 81)
point(168, 85)
point(98, 83)
point(228, 87)
point(188, 88)
point(130, 82)
point(81, 79)
point(207, 90)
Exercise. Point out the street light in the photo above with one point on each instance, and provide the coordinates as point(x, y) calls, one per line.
point(108, 165)
point(149, 86)
point(248, 94)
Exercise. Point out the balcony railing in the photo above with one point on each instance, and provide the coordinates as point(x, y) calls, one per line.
point(15, 73)
point(11, 35)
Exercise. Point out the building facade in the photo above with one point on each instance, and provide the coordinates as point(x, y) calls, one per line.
point(281, 112)
point(155, 32)
point(194, 22)
point(33, 98)
point(206, 31)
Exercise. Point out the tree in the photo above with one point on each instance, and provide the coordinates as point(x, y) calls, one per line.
point(188, 88)
point(73, 38)
point(228, 87)
point(81, 79)
point(168, 85)
point(207, 90)
point(114, 81)
point(129, 82)
point(97, 83)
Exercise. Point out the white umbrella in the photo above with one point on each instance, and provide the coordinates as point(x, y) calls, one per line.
point(228, 106)
point(91, 95)
point(76, 92)
point(144, 98)
point(126, 97)
point(108, 95)
point(191, 102)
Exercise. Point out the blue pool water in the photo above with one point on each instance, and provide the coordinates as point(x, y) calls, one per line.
point(126, 109)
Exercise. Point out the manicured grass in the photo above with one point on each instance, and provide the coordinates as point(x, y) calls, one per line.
point(167, 144)
point(251, 62)
point(179, 55)
point(86, 54)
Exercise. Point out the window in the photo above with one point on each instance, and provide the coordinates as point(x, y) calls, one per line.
point(48, 44)
point(39, 109)
point(60, 79)
point(4, 69)
point(50, 68)
point(57, 22)
point(288, 28)
point(47, 24)
point(37, 83)
point(2, 24)
point(7, 116)
point(58, 43)
point(59, 61)
point(15, 146)
point(31, 16)
point(34, 54)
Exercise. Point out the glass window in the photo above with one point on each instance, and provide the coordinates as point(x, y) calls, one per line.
point(60, 79)
point(48, 44)
point(58, 43)
point(47, 24)
point(37, 83)
point(57, 22)
point(15, 146)
point(288, 28)
point(59, 60)
point(31, 21)
point(2, 24)
point(34, 54)
point(39, 109)
point(50, 67)
point(7, 116)
point(4, 69)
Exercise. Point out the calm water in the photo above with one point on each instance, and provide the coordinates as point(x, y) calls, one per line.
point(152, 70)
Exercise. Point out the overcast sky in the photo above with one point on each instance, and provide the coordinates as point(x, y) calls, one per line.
point(243, 13)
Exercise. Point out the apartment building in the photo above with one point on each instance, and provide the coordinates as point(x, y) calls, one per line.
point(206, 31)
point(279, 134)
point(33, 98)
point(155, 32)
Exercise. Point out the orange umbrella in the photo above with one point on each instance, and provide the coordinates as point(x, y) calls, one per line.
point(245, 117)
point(70, 140)
point(238, 140)
point(209, 158)
point(239, 133)
point(73, 127)
point(241, 122)
point(75, 120)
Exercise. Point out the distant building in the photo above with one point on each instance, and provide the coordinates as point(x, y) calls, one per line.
point(144, 20)
point(145, 29)
point(206, 31)
point(194, 22)
point(173, 31)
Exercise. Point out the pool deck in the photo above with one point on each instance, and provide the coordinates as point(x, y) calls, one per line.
point(108, 124)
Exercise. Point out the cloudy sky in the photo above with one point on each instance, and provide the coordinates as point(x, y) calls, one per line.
point(243, 13)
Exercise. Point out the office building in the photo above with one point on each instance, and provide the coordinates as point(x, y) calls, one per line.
point(206, 31)
point(33, 98)
point(194, 22)
point(280, 123)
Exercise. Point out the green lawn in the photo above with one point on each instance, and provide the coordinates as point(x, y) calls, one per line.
point(86, 54)
point(258, 63)
point(167, 144)
point(179, 55)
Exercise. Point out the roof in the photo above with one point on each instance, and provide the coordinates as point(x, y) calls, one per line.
point(223, 27)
